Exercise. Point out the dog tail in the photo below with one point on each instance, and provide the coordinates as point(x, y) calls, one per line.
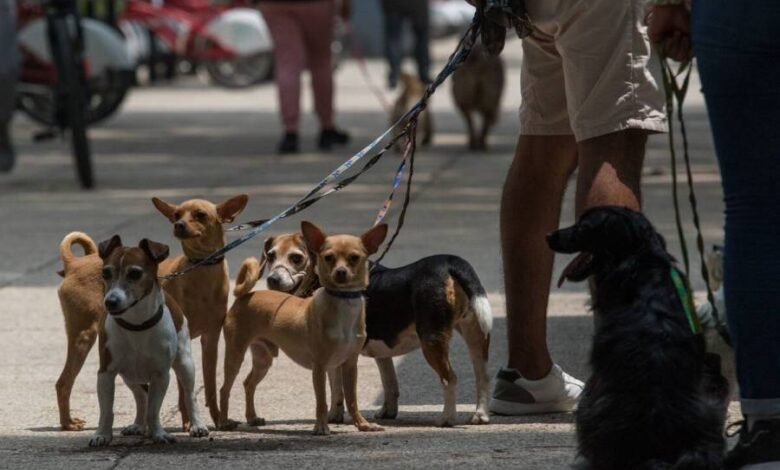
point(247, 277)
point(66, 248)
point(465, 275)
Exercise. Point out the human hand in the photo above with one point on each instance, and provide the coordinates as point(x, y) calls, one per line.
point(668, 26)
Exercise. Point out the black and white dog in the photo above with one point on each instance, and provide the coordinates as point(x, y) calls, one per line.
point(410, 307)
point(656, 398)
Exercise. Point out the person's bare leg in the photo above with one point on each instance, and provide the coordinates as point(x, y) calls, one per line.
point(610, 170)
point(530, 208)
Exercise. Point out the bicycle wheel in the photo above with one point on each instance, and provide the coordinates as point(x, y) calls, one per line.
point(73, 86)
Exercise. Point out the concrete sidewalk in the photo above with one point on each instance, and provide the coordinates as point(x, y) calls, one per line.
point(189, 140)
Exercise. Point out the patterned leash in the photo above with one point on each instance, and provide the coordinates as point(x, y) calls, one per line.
point(675, 92)
point(335, 181)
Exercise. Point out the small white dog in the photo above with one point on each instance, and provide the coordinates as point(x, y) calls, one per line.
point(144, 335)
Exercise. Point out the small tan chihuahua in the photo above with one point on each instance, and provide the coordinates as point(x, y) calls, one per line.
point(322, 333)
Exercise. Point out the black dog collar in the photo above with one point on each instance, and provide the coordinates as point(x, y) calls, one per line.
point(212, 262)
point(346, 294)
point(143, 326)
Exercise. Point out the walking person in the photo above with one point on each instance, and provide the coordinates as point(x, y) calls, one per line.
point(737, 50)
point(416, 13)
point(302, 32)
point(9, 68)
point(589, 102)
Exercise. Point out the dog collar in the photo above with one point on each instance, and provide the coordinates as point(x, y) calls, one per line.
point(686, 299)
point(143, 326)
point(212, 262)
point(346, 294)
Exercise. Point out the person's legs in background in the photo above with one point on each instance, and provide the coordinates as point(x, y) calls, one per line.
point(394, 22)
point(420, 19)
point(290, 60)
point(316, 20)
point(740, 75)
point(8, 76)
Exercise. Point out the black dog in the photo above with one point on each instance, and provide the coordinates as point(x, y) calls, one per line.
point(656, 399)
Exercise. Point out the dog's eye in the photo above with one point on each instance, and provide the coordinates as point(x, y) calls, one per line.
point(106, 273)
point(134, 274)
point(201, 216)
point(353, 259)
point(296, 258)
point(329, 258)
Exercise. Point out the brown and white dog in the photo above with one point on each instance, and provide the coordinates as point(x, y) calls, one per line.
point(201, 293)
point(477, 86)
point(323, 333)
point(143, 336)
point(418, 305)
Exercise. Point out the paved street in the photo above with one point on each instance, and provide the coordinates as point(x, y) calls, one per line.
point(189, 140)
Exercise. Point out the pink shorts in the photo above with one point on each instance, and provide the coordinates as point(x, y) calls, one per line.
point(587, 70)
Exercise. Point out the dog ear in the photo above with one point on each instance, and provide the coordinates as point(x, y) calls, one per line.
point(106, 247)
point(264, 259)
point(229, 210)
point(374, 238)
point(166, 209)
point(313, 236)
point(156, 251)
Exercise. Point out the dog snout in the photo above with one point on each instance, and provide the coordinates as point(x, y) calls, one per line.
point(112, 302)
point(340, 274)
point(179, 228)
point(274, 282)
point(562, 241)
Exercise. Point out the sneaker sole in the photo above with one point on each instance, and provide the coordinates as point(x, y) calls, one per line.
point(511, 408)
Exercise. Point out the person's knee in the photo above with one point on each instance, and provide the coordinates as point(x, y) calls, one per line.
point(543, 157)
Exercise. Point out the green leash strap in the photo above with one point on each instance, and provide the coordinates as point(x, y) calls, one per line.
point(686, 299)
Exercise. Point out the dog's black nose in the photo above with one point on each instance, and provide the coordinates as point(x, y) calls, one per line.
point(178, 228)
point(273, 281)
point(340, 274)
point(111, 303)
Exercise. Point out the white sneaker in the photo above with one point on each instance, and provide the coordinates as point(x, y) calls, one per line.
point(558, 392)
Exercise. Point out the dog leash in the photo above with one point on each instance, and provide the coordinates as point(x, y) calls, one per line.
point(360, 58)
point(409, 123)
point(676, 92)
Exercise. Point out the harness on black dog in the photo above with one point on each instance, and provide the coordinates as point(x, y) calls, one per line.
point(686, 299)
point(143, 326)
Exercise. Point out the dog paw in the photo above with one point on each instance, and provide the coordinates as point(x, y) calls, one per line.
point(479, 418)
point(100, 440)
point(162, 437)
point(229, 425)
point(336, 416)
point(445, 421)
point(75, 424)
point(321, 430)
point(199, 430)
point(368, 427)
point(256, 421)
point(134, 430)
point(386, 412)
